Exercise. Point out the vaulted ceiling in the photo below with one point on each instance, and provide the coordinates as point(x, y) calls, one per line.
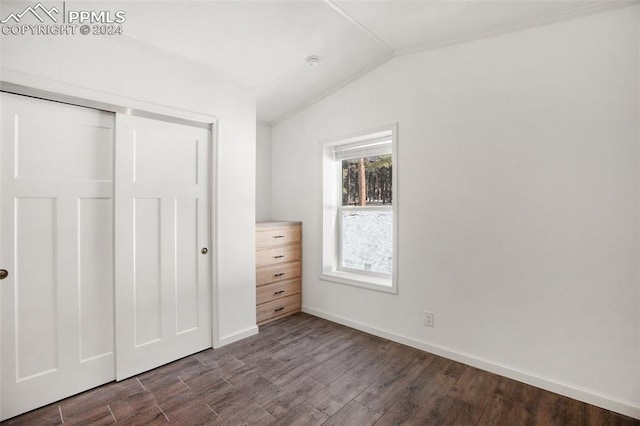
point(267, 42)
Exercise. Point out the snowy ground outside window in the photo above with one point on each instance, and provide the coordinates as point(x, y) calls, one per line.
point(367, 240)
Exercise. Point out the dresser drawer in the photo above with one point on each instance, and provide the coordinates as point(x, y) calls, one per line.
point(278, 308)
point(277, 236)
point(279, 254)
point(279, 272)
point(269, 292)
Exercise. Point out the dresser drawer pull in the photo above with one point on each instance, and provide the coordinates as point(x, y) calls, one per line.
point(279, 309)
point(278, 257)
point(278, 236)
point(279, 275)
point(279, 292)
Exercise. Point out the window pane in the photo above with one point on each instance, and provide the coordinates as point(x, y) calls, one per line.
point(367, 240)
point(367, 181)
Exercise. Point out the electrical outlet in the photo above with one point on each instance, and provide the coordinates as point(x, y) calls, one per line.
point(429, 318)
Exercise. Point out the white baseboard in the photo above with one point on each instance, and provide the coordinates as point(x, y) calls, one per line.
point(628, 408)
point(238, 335)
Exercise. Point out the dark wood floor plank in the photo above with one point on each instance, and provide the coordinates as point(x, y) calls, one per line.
point(198, 412)
point(430, 388)
point(328, 371)
point(209, 382)
point(405, 412)
point(160, 382)
point(95, 416)
point(334, 344)
point(295, 350)
point(297, 327)
point(302, 415)
point(558, 409)
point(168, 374)
point(261, 342)
point(48, 415)
point(265, 365)
point(121, 390)
point(371, 368)
point(391, 360)
point(353, 414)
point(132, 405)
point(522, 392)
point(502, 410)
point(395, 384)
point(209, 419)
point(257, 347)
point(86, 401)
point(177, 402)
point(306, 370)
point(448, 367)
point(289, 396)
point(147, 414)
point(173, 394)
point(475, 388)
point(289, 371)
point(250, 414)
point(315, 348)
point(211, 356)
point(334, 397)
point(596, 416)
point(455, 412)
point(473, 378)
point(381, 395)
point(226, 401)
point(246, 390)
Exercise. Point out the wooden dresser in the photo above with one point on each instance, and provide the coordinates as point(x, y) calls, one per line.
point(278, 270)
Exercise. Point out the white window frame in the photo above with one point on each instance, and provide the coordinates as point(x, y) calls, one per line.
point(332, 209)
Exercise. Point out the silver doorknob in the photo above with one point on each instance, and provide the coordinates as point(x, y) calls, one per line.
point(3, 274)
point(204, 250)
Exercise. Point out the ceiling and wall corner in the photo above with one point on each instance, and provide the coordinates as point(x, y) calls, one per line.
point(267, 42)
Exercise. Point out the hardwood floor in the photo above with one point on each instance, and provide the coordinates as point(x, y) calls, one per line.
point(303, 370)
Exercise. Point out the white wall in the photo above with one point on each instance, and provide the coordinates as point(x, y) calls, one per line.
point(263, 172)
point(104, 68)
point(518, 203)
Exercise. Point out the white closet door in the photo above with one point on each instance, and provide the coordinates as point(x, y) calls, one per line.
point(163, 302)
point(56, 242)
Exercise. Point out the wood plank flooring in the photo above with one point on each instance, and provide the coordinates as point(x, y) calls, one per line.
point(303, 370)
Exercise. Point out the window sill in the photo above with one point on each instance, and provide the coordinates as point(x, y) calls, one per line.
point(360, 280)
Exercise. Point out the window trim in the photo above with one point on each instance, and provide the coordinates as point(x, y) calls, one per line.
point(331, 202)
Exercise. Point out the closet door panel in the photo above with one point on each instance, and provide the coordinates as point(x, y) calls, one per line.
point(56, 305)
point(163, 287)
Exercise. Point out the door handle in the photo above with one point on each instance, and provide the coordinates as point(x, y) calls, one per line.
point(204, 250)
point(3, 274)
